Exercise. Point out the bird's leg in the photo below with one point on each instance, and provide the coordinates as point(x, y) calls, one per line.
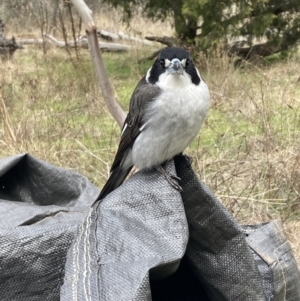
point(171, 178)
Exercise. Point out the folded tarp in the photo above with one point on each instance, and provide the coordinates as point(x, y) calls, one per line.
point(144, 241)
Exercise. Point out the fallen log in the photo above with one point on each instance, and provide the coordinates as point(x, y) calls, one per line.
point(109, 36)
point(30, 41)
point(7, 46)
point(253, 53)
point(81, 42)
point(170, 42)
point(126, 37)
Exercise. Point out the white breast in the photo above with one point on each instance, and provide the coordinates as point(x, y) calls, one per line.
point(173, 121)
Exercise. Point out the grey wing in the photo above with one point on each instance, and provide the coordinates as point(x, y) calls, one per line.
point(143, 94)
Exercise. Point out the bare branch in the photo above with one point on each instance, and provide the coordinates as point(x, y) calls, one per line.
point(126, 37)
point(109, 36)
point(85, 13)
point(106, 88)
point(170, 42)
point(82, 42)
point(252, 53)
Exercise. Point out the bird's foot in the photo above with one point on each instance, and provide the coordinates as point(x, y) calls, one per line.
point(171, 178)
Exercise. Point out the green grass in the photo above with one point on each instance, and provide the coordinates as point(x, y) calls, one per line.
point(246, 152)
point(56, 109)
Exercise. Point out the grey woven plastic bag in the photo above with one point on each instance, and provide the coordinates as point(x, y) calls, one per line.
point(122, 248)
point(41, 207)
point(218, 255)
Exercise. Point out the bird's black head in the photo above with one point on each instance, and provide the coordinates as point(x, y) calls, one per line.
point(173, 60)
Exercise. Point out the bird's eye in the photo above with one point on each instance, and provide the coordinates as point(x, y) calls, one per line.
point(187, 63)
point(162, 63)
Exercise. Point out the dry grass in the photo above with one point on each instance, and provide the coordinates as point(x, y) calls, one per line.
point(253, 160)
point(109, 19)
point(292, 230)
point(248, 151)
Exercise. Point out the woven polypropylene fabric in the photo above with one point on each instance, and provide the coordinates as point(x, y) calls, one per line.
point(217, 249)
point(269, 242)
point(25, 178)
point(267, 279)
point(54, 246)
point(34, 239)
point(138, 231)
point(32, 264)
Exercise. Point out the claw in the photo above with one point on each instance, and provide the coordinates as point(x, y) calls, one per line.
point(174, 177)
point(171, 178)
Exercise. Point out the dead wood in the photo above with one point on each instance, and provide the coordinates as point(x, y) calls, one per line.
point(7, 46)
point(104, 82)
point(81, 42)
point(253, 53)
point(169, 41)
point(109, 36)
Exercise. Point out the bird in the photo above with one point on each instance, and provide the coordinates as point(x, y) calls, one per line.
point(166, 111)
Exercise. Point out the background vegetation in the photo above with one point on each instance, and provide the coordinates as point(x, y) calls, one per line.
point(247, 151)
point(207, 23)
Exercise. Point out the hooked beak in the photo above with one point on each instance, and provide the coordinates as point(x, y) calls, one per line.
point(175, 67)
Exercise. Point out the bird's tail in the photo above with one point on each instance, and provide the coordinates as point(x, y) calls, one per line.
point(116, 178)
